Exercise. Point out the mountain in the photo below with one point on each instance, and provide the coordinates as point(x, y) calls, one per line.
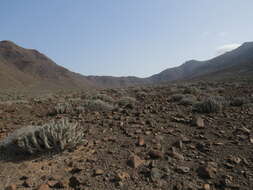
point(22, 68)
point(30, 70)
point(236, 63)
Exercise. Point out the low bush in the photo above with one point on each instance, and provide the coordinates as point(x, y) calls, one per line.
point(126, 100)
point(188, 100)
point(103, 97)
point(177, 97)
point(190, 90)
point(210, 105)
point(97, 105)
point(238, 101)
point(54, 136)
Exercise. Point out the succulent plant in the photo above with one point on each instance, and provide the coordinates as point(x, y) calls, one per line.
point(54, 136)
point(62, 108)
point(210, 105)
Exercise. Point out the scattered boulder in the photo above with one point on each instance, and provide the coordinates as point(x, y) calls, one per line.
point(155, 174)
point(121, 176)
point(208, 171)
point(11, 187)
point(155, 154)
point(43, 187)
point(98, 172)
point(183, 169)
point(198, 121)
point(176, 155)
point(141, 141)
point(135, 161)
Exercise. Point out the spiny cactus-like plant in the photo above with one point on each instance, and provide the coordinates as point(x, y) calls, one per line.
point(62, 108)
point(54, 136)
point(210, 105)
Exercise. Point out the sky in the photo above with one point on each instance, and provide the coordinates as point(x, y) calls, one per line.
point(126, 37)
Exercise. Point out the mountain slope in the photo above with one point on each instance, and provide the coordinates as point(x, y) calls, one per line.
point(22, 68)
point(30, 70)
point(236, 62)
point(25, 68)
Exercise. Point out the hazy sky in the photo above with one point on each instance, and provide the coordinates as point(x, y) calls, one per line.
point(126, 37)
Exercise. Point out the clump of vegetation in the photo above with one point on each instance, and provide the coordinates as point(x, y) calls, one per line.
point(190, 90)
point(97, 105)
point(177, 97)
point(188, 100)
point(210, 105)
point(222, 100)
point(126, 100)
point(55, 136)
point(103, 97)
point(63, 108)
point(238, 101)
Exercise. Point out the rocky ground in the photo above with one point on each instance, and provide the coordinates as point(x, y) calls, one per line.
point(139, 138)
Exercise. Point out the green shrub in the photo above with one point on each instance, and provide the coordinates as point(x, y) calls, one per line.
point(54, 136)
point(126, 100)
point(177, 97)
point(238, 101)
point(103, 97)
point(210, 105)
point(188, 100)
point(97, 105)
point(190, 90)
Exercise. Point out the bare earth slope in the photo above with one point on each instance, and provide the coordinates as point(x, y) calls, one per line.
point(152, 141)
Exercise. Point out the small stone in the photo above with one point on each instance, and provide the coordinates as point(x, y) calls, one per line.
point(135, 161)
point(198, 121)
point(121, 176)
point(235, 160)
point(75, 170)
point(27, 183)
point(155, 174)
point(206, 187)
point(23, 178)
point(208, 171)
point(74, 182)
point(155, 154)
point(51, 183)
point(141, 141)
point(183, 169)
point(99, 172)
point(245, 130)
point(179, 144)
point(11, 187)
point(43, 187)
point(60, 185)
point(176, 155)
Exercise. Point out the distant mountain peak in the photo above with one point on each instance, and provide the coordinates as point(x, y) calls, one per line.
point(247, 45)
point(7, 43)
